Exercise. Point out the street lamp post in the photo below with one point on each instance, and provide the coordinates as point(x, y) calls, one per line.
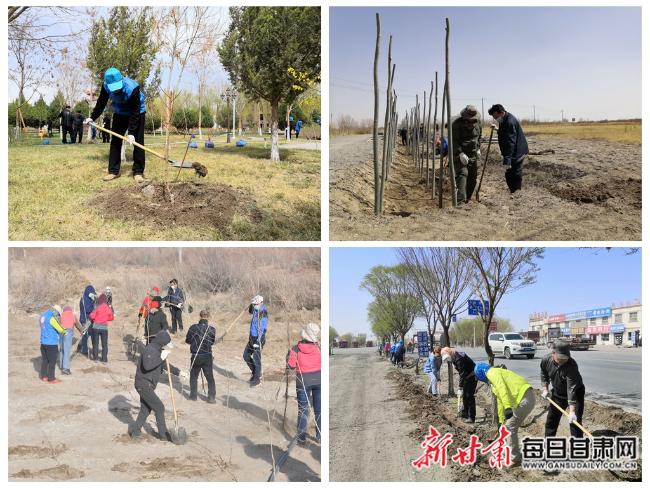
point(229, 96)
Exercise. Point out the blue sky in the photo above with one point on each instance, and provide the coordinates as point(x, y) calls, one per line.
point(569, 280)
point(65, 25)
point(583, 60)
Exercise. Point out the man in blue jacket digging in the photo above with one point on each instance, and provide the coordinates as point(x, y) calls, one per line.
point(128, 115)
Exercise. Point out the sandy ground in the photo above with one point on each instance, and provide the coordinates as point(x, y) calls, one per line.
point(586, 190)
point(368, 423)
point(77, 430)
point(412, 406)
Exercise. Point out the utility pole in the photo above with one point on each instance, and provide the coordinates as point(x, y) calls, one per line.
point(534, 114)
point(562, 119)
point(482, 111)
point(234, 113)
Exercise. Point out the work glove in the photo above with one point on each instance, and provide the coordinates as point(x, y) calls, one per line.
point(494, 126)
point(169, 346)
point(508, 413)
point(507, 163)
point(256, 346)
point(459, 392)
point(89, 121)
point(478, 154)
point(164, 354)
point(143, 339)
point(180, 305)
point(545, 394)
point(463, 158)
point(572, 417)
point(130, 139)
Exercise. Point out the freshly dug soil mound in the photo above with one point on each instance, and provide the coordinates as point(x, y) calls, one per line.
point(183, 203)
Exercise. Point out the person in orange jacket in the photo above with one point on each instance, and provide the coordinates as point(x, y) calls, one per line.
point(101, 316)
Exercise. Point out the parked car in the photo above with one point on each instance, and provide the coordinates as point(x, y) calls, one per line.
point(511, 344)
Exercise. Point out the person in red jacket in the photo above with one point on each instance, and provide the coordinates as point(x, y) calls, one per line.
point(101, 316)
point(146, 303)
point(304, 357)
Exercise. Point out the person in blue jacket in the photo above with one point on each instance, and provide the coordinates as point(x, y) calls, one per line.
point(400, 350)
point(393, 349)
point(128, 115)
point(86, 306)
point(513, 145)
point(298, 128)
point(51, 331)
point(432, 368)
point(256, 338)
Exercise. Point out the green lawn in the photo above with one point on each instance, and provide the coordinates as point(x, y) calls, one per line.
point(50, 188)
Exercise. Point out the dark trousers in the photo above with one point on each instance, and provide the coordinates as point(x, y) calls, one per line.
point(105, 136)
point(77, 134)
point(82, 346)
point(177, 318)
point(149, 401)
point(514, 175)
point(253, 358)
point(120, 126)
point(103, 335)
point(48, 361)
point(67, 129)
point(469, 402)
point(203, 362)
point(554, 415)
point(307, 395)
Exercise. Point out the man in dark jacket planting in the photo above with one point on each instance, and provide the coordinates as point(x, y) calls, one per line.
point(147, 376)
point(155, 321)
point(201, 338)
point(513, 145)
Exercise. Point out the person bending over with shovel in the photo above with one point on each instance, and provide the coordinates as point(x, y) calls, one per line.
point(560, 370)
point(147, 376)
point(256, 338)
point(128, 114)
point(464, 365)
point(515, 401)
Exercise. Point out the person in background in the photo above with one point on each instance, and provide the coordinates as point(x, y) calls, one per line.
point(156, 320)
point(101, 316)
point(304, 358)
point(174, 301)
point(67, 118)
point(86, 306)
point(69, 322)
point(51, 330)
point(256, 338)
point(109, 297)
point(77, 127)
point(106, 124)
point(432, 368)
point(298, 128)
point(399, 354)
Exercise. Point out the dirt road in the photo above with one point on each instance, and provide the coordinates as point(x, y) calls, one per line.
point(371, 400)
point(77, 430)
point(369, 424)
point(585, 190)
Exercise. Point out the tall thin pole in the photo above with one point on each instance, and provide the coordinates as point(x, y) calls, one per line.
point(433, 157)
point(482, 111)
point(452, 172)
point(428, 133)
point(375, 131)
point(442, 136)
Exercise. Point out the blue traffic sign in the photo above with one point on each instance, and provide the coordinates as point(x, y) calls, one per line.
point(423, 344)
point(475, 307)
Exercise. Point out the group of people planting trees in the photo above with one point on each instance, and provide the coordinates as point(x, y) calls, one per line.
point(561, 386)
point(152, 349)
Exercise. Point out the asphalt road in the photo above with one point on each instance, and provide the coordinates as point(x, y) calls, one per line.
point(611, 375)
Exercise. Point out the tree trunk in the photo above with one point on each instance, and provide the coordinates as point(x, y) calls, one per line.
point(450, 367)
point(200, 115)
point(275, 150)
point(375, 131)
point(486, 333)
point(452, 172)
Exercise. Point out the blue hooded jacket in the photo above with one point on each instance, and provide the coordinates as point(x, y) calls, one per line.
point(119, 99)
point(51, 328)
point(86, 304)
point(433, 364)
point(259, 321)
point(393, 348)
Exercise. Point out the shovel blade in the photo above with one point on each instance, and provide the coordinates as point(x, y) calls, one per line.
point(178, 435)
point(180, 164)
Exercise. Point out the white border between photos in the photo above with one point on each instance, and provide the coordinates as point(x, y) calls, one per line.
point(325, 243)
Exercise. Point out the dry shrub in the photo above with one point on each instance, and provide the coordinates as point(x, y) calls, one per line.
point(36, 289)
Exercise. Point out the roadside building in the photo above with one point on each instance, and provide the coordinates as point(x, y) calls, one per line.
point(616, 325)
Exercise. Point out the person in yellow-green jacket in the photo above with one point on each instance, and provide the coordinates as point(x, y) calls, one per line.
point(515, 400)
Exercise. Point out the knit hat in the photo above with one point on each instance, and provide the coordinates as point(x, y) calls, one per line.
point(57, 309)
point(257, 300)
point(310, 332)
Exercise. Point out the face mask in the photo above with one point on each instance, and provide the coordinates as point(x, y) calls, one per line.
point(498, 120)
point(173, 287)
point(256, 307)
point(445, 358)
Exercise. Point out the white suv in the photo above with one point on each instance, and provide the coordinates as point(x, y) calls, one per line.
point(511, 344)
